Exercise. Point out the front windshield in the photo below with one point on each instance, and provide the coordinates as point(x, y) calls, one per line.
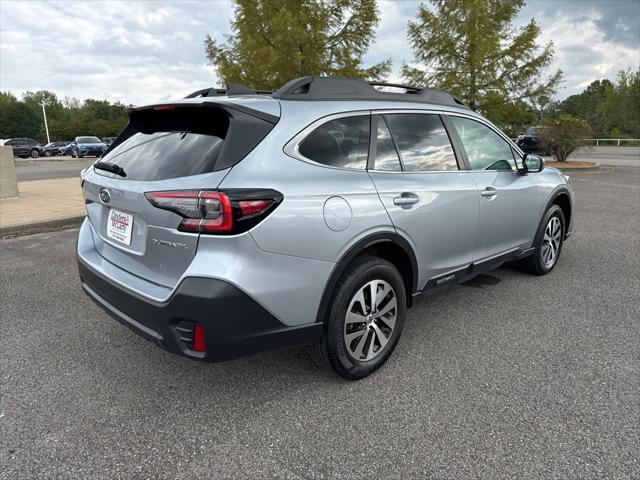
point(531, 130)
point(89, 140)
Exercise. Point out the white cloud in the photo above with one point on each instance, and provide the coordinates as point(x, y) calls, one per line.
point(134, 52)
point(142, 51)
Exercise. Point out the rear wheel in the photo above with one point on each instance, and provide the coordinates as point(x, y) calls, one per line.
point(548, 243)
point(365, 319)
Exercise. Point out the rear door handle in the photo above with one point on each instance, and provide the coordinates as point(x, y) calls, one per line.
point(489, 192)
point(406, 199)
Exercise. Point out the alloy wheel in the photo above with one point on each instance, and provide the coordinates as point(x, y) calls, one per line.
point(551, 241)
point(370, 320)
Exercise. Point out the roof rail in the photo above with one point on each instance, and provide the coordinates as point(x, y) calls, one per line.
point(232, 90)
point(337, 88)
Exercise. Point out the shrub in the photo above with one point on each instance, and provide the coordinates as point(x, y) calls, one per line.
point(566, 135)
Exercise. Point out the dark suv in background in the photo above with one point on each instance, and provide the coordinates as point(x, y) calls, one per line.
point(25, 147)
point(532, 141)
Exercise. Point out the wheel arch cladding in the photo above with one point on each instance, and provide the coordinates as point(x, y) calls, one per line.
point(388, 246)
point(563, 201)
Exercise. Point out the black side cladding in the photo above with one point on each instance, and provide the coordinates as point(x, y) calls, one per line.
point(242, 129)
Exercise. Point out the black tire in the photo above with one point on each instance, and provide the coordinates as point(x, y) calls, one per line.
point(535, 264)
point(47, 153)
point(34, 153)
point(331, 352)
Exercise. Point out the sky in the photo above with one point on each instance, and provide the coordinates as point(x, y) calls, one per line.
point(140, 52)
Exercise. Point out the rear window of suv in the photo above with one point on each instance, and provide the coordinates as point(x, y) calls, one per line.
point(171, 142)
point(167, 144)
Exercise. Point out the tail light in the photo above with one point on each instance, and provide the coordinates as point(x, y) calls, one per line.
point(217, 212)
point(198, 338)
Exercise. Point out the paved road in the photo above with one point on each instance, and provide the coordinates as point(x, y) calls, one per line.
point(620, 156)
point(50, 169)
point(511, 376)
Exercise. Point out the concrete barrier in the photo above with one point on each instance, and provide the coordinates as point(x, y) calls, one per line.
point(8, 182)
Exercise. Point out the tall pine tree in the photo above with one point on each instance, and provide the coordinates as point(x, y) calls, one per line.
point(471, 49)
point(273, 41)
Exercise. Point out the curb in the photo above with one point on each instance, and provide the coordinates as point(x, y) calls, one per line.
point(592, 168)
point(18, 160)
point(40, 227)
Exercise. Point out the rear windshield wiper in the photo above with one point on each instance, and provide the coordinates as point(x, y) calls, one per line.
point(110, 167)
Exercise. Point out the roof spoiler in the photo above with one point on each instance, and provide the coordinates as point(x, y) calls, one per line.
point(232, 90)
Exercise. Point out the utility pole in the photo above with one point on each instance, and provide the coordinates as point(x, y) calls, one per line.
point(46, 127)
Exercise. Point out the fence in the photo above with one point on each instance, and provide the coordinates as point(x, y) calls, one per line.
point(597, 141)
point(617, 140)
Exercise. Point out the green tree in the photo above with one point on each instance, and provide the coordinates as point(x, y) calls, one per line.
point(471, 49)
point(18, 119)
point(274, 41)
point(612, 109)
point(566, 135)
point(620, 107)
point(513, 117)
point(67, 119)
point(586, 105)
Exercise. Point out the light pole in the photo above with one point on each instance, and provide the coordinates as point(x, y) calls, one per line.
point(46, 127)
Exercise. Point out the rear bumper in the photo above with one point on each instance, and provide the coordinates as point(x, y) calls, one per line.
point(234, 324)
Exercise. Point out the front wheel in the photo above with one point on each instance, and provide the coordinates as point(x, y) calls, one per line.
point(47, 153)
point(34, 153)
point(548, 243)
point(365, 319)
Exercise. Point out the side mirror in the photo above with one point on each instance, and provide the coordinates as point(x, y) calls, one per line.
point(531, 163)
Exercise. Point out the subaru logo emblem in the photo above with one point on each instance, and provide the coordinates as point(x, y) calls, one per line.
point(105, 196)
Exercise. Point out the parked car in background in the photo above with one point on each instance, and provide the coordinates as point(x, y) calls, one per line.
point(56, 148)
point(25, 147)
point(108, 140)
point(87, 147)
point(225, 225)
point(532, 141)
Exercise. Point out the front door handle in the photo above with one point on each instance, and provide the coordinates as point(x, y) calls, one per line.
point(406, 199)
point(489, 192)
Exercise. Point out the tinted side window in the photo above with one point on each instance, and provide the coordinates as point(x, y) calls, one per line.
point(386, 154)
point(343, 142)
point(486, 150)
point(423, 142)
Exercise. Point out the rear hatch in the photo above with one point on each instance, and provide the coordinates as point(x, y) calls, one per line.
point(182, 146)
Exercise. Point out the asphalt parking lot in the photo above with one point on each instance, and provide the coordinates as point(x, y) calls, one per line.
point(510, 376)
point(54, 167)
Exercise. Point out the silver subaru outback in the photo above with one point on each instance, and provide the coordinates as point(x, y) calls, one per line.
point(229, 222)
